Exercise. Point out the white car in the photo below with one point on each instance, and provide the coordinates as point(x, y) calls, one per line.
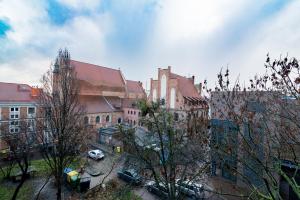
point(96, 154)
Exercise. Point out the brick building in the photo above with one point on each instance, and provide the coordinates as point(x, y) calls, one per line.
point(17, 102)
point(179, 93)
point(106, 94)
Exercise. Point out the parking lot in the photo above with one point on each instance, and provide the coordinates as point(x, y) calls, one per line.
point(111, 164)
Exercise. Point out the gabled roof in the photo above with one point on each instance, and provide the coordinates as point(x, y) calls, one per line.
point(15, 92)
point(134, 87)
point(98, 75)
point(186, 86)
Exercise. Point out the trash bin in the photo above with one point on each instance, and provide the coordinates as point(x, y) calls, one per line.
point(118, 149)
point(85, 184)
point(72, 174)
point(66, 171)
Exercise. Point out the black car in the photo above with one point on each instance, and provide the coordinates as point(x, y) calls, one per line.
point(131, 176)
point(158, 189)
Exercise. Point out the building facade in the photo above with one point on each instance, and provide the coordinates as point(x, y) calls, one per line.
point(251, 130)
point(107, 96)
point(179, 93)
point(18, 102)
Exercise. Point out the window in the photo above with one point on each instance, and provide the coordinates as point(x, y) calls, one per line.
point(176, 116)
point(13, 117)
point(107, 119)
point(130, 112)
point(163, 87)
point(134, 112)
point(14, 109)
point(31, 110)
point(173, 96)
point(119, 120)
point(154, 95)
point(98, 119)
point(86, 120)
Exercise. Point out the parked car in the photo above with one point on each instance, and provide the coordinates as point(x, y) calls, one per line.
point(190, 189)
point(158, 189)
point(130, 176)
point(96, 154)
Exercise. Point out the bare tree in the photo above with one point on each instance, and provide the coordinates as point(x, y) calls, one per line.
point(63, 131)
point(265, 128)
point(21, 143)
point(172, 148)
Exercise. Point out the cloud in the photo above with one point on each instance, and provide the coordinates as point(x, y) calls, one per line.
point(33, 40)
point(81, 4)
point(194, 37)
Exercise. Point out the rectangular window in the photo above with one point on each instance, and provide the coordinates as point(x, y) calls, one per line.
point(13, 119)
point(31, 110)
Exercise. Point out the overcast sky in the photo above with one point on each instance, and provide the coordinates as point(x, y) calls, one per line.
point(195, 37)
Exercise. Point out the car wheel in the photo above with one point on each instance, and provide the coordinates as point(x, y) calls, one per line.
point(149, 189)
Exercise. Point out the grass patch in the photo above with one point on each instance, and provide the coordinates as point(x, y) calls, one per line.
point(6, 191)
point(42, 167)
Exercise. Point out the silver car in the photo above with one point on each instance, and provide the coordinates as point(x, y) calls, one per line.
point(190, 189)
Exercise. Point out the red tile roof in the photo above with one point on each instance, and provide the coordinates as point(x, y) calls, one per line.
point(186, 86)
point(134, 87)
point(129, 103)
point(98, 75)
point(95, 104)
point(100, 104)
point(14, 92)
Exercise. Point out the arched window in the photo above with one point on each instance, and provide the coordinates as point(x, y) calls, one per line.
point(107, 119)
point(163, 87)
point(173, 96)
point(119, 120)
point(134, 113)
point(130, 112)
point(86, 120)
point(154, 95)
point(98, 119)
point(134, 122)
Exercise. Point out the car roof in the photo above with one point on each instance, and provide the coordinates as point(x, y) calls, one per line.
point(192, 183)
point(97, 151)
point(132, 171)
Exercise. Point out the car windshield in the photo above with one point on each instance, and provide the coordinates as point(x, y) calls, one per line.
point(133, 173)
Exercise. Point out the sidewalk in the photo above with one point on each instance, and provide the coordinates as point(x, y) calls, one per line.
point(225, 189)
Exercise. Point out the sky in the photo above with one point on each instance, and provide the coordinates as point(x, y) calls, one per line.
point(194, 37)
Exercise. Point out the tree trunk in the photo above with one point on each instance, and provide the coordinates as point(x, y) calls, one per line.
point(23, 179)
point(58, 182)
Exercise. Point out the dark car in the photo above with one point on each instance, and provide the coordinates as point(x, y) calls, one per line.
point(131, 176)
point(159, 189)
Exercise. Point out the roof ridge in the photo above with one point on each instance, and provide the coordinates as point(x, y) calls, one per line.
point(95, 65)
point(15, 83)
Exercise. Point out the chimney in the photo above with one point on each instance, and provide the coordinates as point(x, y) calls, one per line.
point(192, 79)
point(200, 88)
